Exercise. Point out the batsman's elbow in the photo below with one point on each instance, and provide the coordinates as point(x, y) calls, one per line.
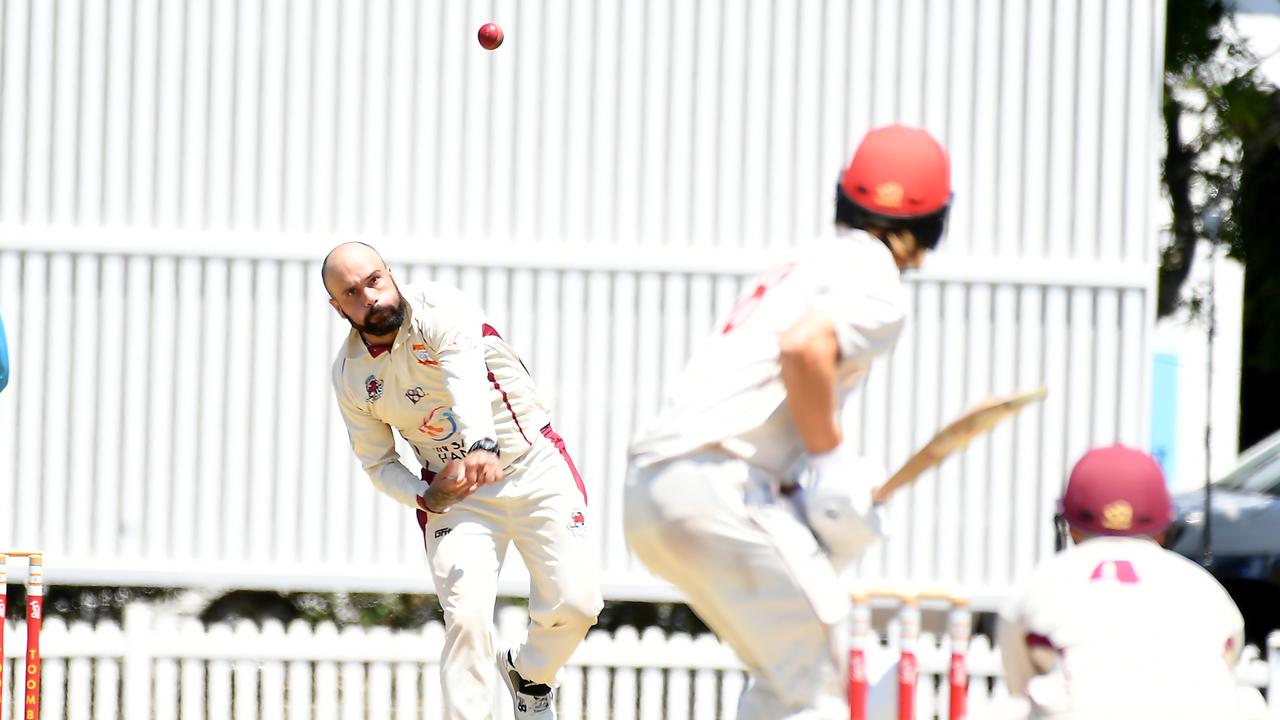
point(812, 341)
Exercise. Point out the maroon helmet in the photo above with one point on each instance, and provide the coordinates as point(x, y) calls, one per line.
point(1117, 491)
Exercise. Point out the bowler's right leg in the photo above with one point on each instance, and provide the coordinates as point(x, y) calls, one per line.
point(465, 554)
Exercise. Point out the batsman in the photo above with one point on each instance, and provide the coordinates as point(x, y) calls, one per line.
point(714, 501)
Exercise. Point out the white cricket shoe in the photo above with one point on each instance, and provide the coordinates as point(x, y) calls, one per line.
point(531, 701)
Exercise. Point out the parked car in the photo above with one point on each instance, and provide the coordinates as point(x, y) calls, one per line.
point(1244, 534)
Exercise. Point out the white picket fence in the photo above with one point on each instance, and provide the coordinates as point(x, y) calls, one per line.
point(157, 666)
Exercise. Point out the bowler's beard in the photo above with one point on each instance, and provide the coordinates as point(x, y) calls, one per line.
point(381, 320)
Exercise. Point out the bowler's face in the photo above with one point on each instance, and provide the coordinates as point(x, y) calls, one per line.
point(364, 293)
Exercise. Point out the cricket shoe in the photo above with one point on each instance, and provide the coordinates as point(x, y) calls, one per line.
point(532, 701)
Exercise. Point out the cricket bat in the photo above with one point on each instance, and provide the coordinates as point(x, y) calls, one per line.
point(977, 420)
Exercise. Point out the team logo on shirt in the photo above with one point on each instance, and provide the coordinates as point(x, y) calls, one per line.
point(415, 394)
point(373, 386)
point(423, 355)
point(439, 425)
point(577, 523)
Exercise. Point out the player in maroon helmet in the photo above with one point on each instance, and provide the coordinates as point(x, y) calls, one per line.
point(1116, 626)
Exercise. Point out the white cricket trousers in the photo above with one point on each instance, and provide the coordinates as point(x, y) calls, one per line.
point(753, 572)
point(541, 507)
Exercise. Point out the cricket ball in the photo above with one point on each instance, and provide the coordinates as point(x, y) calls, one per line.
point(490, 36)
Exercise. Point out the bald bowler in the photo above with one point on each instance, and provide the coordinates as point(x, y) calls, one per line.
point(425, 362)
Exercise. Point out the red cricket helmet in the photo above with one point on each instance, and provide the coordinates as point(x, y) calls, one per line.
point(1117, 491)
point(899, 172)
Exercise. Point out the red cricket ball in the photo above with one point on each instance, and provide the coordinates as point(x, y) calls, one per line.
point(490, 36)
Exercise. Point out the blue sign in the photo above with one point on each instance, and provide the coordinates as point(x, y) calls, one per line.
point(1164, 413)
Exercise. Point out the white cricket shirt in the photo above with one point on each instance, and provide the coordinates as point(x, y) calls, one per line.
point(730, 396)
point(1134, 630)
point(448, 380)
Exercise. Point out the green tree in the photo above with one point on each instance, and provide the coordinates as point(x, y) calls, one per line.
point(1222, 180)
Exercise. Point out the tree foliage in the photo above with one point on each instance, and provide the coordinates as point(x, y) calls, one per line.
point(1219, 117)
point(1222, 177)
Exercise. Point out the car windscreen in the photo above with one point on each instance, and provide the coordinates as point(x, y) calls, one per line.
point(1262, 475)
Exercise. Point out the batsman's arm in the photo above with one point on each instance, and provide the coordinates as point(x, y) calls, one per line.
point(808, 354)
point(842, 326)
point(375, 448)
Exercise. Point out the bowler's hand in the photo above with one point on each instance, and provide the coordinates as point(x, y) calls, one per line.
point(482, 467)
point(450, 486)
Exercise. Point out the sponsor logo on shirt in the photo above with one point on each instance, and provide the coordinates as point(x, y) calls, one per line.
point(451, 451)
point(415, 394)
point(439, 425)
point(442, 532)
point(373, 386)
point(423, 355)
point(577, 523)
